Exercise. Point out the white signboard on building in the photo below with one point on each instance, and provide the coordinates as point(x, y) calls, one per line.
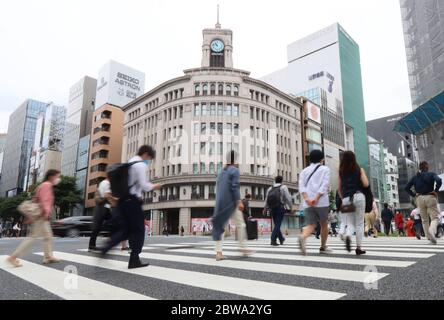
point(118, 84)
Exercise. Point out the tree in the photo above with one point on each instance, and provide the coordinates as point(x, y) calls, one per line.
point(8, 206)
point(67, 196)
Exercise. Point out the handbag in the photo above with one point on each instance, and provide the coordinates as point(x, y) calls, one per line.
point(348, 208)
point(30, 209)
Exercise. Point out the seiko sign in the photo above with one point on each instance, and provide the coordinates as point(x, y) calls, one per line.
point(118, 85)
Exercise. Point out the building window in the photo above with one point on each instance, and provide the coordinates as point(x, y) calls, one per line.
point(251, 132)
point(251, 113)
point(236, 129)
point(220, 109)
point(212, 128)
point(228, 110)
point(196, 109)
point(251, 168)
point(228, 90)
point(196, 148)
point(228, 130)
point(236, 110)
point(219, 148)
point(219, 128)
point(212, 147)
point(236, 90)
point(213, 109)
point(202, 148)
point(203, 128)
point(205, 89)
point(212, 168)
point(202, 168)
point(219, 167)
point(229, 146)
point(252, 151)
point(195, 168)
point(212, 89)
point(180, 112)
point(204, 109)
point(220, 89)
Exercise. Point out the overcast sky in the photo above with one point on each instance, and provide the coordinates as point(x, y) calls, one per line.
point(47, 45)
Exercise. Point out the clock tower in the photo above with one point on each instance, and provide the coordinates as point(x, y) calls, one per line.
point(217, 47)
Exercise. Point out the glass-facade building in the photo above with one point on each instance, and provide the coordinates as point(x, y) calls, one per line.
point(329, 59)
point(19, 143)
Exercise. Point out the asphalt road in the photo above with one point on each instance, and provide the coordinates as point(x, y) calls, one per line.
point(185, 268)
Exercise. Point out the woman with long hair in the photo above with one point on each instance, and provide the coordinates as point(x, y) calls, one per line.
point(40, 227)
point(352, 179)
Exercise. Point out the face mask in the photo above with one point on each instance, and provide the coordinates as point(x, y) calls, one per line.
point(57, 181)
point(147, 162)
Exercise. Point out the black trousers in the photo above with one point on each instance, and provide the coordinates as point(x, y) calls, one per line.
point(387, 226)
point(131, 227)
point(100, 215)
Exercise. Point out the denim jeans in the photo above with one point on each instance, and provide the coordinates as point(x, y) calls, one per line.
point(277, 215)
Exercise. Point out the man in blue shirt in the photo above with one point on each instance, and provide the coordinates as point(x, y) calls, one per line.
point(427, 186)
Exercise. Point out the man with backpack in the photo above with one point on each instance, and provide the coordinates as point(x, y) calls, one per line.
point(277, 197)
point(314, 182)
point(128, 181)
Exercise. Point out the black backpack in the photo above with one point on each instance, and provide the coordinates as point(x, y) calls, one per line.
point(118, 174)
point(274, 198)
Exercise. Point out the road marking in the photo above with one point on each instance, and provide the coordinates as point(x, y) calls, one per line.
point(356, 261)
point(336, 252)
point(53, 281)
point(324, 273)
point(243, 287)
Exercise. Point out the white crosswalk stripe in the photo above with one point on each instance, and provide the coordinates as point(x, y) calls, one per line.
point(187, 264)
point(60, 284)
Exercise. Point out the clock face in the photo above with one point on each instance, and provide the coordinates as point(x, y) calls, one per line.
point(217, 45)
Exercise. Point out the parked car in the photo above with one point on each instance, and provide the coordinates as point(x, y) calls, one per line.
point(78, 226)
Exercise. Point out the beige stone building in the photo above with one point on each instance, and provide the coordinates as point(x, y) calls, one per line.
point(194, 120)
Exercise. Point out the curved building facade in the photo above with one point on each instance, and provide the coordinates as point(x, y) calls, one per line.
point(194, 120)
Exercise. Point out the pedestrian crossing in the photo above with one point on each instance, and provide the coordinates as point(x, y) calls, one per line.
point(271, 273)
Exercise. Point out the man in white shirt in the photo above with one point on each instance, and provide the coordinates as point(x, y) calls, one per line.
point(314, 183)
point(130, 207)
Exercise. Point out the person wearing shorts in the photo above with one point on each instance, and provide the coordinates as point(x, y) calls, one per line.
point(314, 183)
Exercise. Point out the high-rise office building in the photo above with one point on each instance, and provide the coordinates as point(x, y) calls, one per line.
point(2, 149)
point(48, 143)
point(423, 23)
point(117, 86)
point(19, 143)
point(329, 59)
point(402, 146)
point(78, 122)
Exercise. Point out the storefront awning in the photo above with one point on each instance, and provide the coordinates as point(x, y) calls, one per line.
point(422, 117)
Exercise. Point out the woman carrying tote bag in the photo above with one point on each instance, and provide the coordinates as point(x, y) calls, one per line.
point(40, 226)
point(352, 179)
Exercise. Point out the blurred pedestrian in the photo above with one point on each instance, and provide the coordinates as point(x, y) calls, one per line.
point(399, 221)
point(40, 227)
point(417, 223)
point(228, 205)
point(427, 185)
point(409, 228)
point(132, 225)
point(352, 179)
point(333, 219)
point(182, 231)
point(370, 221)
point(314, 183)
point(387, 217)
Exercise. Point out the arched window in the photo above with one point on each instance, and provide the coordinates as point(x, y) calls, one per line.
point(220, 90)
point(197, 89)
point(236, 90)
point(205, 89)
point(212, 89)
point(228, 90)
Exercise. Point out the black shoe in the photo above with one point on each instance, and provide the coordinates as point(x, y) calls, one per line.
point(348, 244)
point(93, 249)
point(274, 244)
point(282, 241)
point(359, 252)
point(138, 265)
point(317, 237)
